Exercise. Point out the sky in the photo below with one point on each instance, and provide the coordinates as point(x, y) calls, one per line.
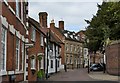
point(72, 12)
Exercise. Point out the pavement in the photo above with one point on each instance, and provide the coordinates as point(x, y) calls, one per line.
point(82, 75)
point(104, 76)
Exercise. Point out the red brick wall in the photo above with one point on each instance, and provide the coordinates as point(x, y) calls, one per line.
point(37, 48)
point(113, 59)
point(11, 39)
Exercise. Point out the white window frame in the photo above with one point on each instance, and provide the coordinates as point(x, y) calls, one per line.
point(17, 54)
point(4, 42)
point(33, 35)
point(22, 10)
point(23, 49)
point(41, 40)
point(17, 8)
point(33, 63)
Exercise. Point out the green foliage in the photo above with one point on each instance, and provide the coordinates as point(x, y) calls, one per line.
point(105, 24)
point(40, 74)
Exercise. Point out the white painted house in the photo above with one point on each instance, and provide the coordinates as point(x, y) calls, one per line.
point(52, 55)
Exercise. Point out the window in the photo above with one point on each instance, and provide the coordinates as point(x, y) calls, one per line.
point(3, 43)
point(22, 10)
point(75, 60)
point(17, 8)
point(41, 39)
point(33, 34)
point(42, 64)
point(66, 47)
point(51, 66)
point(17, 53)
point(32, 63)
point(67, 59)
point(51, 46)
point(70, 59)
point(22, 55)
point(71, 47)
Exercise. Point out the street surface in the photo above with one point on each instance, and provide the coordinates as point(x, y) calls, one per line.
point(71, 75)
point(81, 75)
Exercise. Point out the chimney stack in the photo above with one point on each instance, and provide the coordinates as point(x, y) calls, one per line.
point(52, 24)
point(43, 19)
point(61, 25)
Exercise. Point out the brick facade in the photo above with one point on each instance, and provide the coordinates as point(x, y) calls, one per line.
point(15, 29)
point(113, 59)
point(36, 50)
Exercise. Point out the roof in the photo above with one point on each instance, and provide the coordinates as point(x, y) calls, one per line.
point(37, 25)
point(75, 37)
point(54, 38)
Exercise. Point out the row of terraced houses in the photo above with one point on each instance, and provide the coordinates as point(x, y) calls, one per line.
point(28, 46)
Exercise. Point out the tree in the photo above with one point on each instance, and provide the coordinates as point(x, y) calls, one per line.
point(105, 24)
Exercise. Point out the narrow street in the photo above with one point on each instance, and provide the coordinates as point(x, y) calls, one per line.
point(82, 75)
point(71, 75)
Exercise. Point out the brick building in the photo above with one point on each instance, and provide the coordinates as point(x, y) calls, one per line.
point(73, 50)
point(74, 41)
point(54, 52)
point(13, 35)
point(36, 37)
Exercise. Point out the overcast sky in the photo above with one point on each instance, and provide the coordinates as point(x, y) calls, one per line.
point(72, 12)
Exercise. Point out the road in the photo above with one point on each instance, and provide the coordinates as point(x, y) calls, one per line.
point(71, 75)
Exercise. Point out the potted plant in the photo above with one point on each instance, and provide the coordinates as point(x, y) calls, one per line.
point(40, 75)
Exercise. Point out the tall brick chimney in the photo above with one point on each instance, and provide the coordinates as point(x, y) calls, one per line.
point(61, 25)
point(43, 19)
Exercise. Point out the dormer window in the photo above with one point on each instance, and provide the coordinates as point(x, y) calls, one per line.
point(71, 36)
point(66, 35)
